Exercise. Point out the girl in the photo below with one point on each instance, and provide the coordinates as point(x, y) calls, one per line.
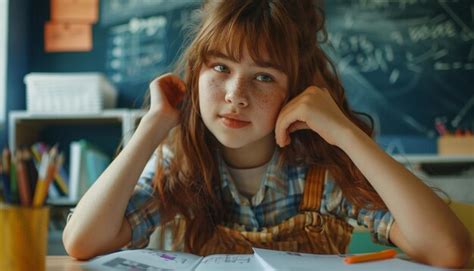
point(264, 152)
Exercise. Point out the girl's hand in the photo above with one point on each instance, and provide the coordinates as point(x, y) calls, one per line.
point(166, 92)
point(313, 109)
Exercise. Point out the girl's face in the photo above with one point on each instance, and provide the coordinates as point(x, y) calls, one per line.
point(240, 100)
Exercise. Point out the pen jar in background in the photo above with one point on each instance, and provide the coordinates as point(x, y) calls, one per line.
point(456, 145)
point(23, 237)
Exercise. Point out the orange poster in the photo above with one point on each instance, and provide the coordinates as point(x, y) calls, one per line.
point(67, 37)
point(85, 11)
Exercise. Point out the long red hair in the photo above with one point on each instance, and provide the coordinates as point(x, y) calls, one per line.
point(291, 32)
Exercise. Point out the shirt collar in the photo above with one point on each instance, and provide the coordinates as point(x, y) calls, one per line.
point(275, 177)
point(226, 182)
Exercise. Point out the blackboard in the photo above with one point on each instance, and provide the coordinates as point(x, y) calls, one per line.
point(143, 40)
point(406, 62)
point(117, 11)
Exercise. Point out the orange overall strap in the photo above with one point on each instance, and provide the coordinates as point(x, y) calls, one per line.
point(313, 189)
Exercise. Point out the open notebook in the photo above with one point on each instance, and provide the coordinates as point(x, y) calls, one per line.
point(262, 259)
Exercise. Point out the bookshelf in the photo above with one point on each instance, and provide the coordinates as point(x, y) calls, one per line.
point(447, 175)
point(25, 128)
point(107, 128)
point(438, 165)
point(28, 128)
point(434, 159)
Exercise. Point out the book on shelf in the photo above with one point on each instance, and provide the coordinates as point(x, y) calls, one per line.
point(86, 163)
point(262, 259)
point(58, 190)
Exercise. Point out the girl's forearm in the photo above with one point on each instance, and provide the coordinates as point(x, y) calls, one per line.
point(423, 218)
point(99, 215)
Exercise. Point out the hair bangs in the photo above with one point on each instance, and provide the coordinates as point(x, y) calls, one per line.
point(261, 36)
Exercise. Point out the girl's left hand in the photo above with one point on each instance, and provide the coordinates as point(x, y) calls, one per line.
point(313, 109)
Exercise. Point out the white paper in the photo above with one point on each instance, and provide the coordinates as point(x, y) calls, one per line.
point(281, 260)
point(236, 262)
point(144, 259)
point(262, 259)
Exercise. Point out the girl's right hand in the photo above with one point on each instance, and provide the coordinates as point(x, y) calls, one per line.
point(166, 92)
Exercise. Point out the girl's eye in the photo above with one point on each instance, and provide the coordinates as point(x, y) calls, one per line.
point(220, 68)
point(264, 78)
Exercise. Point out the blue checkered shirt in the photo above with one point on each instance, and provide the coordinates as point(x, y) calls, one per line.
point(277, 199)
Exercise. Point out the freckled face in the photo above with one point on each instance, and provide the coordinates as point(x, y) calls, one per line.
point(240, 101)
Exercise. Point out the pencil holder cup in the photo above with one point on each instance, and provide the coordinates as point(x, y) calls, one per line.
point(23, 237)
point(456, 145)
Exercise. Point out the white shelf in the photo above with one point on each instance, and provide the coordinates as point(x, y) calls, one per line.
point(434, 159)
point(29, 122)
point(61, 201)
point(86, 115)
point(26, 127)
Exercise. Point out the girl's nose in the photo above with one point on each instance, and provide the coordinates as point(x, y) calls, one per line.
point(236, 93)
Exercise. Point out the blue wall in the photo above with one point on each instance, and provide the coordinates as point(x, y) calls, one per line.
point(26, 53)
point(18, 58)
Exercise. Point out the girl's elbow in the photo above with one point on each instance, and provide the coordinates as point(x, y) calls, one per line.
point(459, 257)
point(455, 256)
point(75, 248)
point(463, 253)
point(463, 247)
point(78, 253)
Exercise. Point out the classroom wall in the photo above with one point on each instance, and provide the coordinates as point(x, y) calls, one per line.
point(18, 57)
point(3, 55)
point(149, 44)
point(404, 62)
point(62, 62)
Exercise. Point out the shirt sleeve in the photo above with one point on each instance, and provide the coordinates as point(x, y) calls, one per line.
point(142, 210)
point(379, 222)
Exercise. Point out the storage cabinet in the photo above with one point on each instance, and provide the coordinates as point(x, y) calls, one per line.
point(452, 175)
point(106, 129)
point(26, 128)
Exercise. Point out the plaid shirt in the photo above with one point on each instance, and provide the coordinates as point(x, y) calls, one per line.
point(277, 200)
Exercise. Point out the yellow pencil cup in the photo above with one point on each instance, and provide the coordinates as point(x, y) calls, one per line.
point(23, 237)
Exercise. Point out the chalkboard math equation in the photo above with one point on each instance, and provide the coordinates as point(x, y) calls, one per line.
point(407, 62)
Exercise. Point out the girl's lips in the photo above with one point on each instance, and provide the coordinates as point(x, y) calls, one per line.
point(234, 123)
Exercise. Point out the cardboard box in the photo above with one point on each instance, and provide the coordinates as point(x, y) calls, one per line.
point(456, 145)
